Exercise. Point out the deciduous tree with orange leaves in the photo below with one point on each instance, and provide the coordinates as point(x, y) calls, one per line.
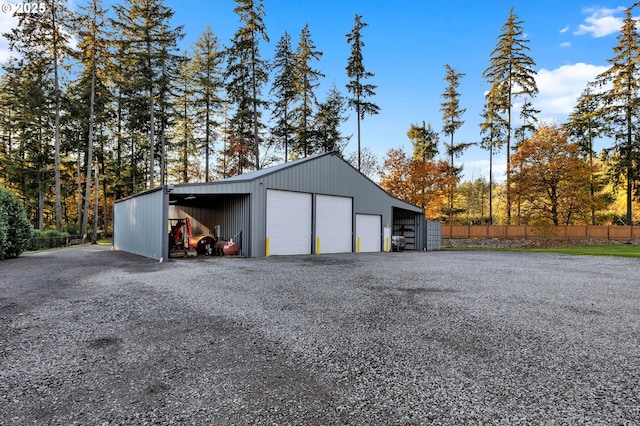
point(419, 182)
point(551, 177)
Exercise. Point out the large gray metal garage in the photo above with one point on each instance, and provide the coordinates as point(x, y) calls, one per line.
point(319, 204)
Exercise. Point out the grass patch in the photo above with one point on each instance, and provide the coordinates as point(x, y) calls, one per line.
point(622, 250)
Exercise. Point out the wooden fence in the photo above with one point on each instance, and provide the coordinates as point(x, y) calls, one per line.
point(551, 232)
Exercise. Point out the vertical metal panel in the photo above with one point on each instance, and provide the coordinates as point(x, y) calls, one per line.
point(433, 235)
point(138, 224)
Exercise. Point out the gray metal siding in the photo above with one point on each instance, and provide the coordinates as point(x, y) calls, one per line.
point(139, 226)
point(433, 236)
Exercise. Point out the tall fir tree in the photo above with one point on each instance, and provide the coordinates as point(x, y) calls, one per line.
point(283, 90)
point(31, 72)
point(511, 75)
point(147, 41)
point(494, 129)
point(306, 81)
point(620, 100)
point(208, 55)
point(93, 54)
point(425, 142)
point(327, 122)
point(585, 125)
point(452, 119)
point(246, 74)
point(183, 150)
point(57, 15)
point(360, 90)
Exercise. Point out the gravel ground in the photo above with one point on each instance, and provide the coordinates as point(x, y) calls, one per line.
point(93, 336)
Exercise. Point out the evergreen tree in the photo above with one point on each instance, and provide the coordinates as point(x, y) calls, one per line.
point(452, 113)
point(246, 74)
point(93, 54)
point(327, 123)
point(511, 75)
point(208, 55)
point(56, 16)
point(184, 149)
point(284, 92)
point(493, 127)
point(147, 41)
point(584, 126)
point(31, 74)
point(425, 142)
point(620, 102)
point(359, 90)
point(452, 118)
point(306, 81)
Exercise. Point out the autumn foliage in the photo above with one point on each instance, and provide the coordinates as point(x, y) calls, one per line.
point(422, 183)
point(551, 178)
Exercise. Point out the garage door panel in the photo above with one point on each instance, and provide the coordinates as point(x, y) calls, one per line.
point(368, 230)
point(334, 223)
point(288, 222)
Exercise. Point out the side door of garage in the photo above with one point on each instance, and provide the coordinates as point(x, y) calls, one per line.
point(369, 232)
point(334, 224)
point(288, 222)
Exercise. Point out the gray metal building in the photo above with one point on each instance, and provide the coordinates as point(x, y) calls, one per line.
point(319, 204)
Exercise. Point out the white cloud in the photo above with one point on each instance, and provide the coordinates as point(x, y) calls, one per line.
point(564, 30)
point(565, 44)
point(560, 88)
point(475, 169)
point(601, 22)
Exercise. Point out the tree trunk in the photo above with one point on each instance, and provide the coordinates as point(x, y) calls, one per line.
point(94, 238)
point(490, 183)
point(152, 124)
point(56, 129)
point(89, 165)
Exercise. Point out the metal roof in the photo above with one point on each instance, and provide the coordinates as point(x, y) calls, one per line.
point(268, 170)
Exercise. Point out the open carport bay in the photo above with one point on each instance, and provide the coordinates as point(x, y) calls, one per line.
point(399, 338)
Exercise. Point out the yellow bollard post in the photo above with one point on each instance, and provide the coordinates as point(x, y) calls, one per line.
point(266, 247)
point(317, 245)
point(386, 244)
point(358, 245)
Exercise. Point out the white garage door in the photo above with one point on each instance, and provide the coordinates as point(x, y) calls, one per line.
point(288, 222)
point(334, 224)
point(368, 229)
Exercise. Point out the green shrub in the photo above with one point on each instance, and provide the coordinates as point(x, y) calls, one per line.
point(43, 240)
point(3, 235)
point(15, 228)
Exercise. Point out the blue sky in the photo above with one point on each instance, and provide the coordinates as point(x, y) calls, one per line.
point(407, 44)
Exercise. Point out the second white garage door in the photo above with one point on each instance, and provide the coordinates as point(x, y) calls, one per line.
point(288, 222)
point(334, 224)
point(368, 229)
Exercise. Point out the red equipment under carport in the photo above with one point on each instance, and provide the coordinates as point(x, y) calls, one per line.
point(177, 246)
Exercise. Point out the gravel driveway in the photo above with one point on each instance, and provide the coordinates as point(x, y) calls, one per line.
point(93, 336)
